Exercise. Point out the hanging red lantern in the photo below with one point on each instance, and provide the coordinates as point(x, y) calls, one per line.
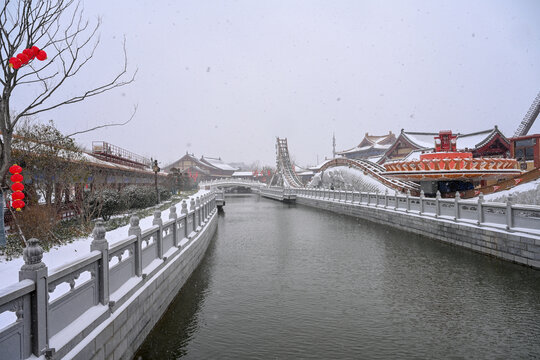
point(16, 178)
point(28, 53)
point(35, 50)
point(17, 204)
point(15, 169)
point(16, 63)
point(24, 59)
point(17, 187)
point(42, 55)
point(17, 195)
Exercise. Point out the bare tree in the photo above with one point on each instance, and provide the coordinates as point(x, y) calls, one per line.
point(57, 26)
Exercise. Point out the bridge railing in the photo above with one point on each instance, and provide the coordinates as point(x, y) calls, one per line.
point(231, 182)
point(505, 216)
point(53, 310)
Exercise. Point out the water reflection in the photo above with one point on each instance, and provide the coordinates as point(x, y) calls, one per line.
point(175, 329)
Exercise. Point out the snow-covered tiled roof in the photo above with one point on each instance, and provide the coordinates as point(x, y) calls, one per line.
point(474, 140)
point(218, 163)
point(372, 142)
point(422, 140)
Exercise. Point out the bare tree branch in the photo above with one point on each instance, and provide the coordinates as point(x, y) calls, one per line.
point(106, 125)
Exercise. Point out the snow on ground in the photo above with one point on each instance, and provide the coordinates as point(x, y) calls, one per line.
point(68, 253)
point(343, 177)
point(528, 193)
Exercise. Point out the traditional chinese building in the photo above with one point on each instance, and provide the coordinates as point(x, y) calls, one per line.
point(409, 145)
point(205, 167)
point(371, 145)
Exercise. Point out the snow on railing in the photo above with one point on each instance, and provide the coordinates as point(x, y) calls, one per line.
point(82, 294)
point(505, 216)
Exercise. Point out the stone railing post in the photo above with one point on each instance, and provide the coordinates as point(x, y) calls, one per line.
point(203, 208)
point(157, 221)
point(174, 215)
point(509, 215)
point(386, 198)
point(184, 211)
point(198, 210)
point(192, 208)
point(100, 243)
point(408, 201)
point(480, 209)
point(396, 202)
point(422, 196)
point(438, 204)
point(457, 197)
point(34, 269)
point(135, 229)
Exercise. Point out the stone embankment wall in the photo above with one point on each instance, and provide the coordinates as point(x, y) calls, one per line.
point(511, 246)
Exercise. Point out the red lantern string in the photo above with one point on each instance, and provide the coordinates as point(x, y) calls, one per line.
point(27, 55)
point(17, 187)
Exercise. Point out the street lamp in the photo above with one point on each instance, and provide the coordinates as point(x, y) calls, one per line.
point(156, 169)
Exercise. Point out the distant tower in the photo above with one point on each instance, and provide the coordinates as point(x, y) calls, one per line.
point(333, 145)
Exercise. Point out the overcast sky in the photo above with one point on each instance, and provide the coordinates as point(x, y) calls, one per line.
point(224, 78)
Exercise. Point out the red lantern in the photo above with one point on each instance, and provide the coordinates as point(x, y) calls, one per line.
point(24, 59)
point(28, 53)
point(17, 195)
point(35, 50)
point(42, 55)
point(15, 169)
point(17, 187)
point(17, 204)
point(17, 178)
point(16, 63)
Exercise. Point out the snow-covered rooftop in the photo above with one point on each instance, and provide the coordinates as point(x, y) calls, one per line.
point(474, 140)
point(423, 140)
point(218, 163)
point(464, 141)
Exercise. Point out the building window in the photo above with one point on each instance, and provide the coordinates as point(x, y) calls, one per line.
point(524, 149)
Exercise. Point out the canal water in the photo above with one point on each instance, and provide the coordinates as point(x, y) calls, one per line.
point(291, 282)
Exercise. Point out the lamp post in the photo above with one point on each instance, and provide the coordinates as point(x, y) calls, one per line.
point(156, 169)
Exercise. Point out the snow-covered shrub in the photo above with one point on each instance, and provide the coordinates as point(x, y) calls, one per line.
point(104, 203)
point(164, 194)
point(138, 197)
